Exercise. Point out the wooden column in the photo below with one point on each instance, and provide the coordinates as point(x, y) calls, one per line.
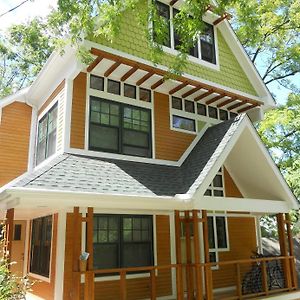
point(179, 282)
point(284, 249)
point(291, 250)
point(199, 292)
point(9, 224)
point(189, 271)
point(208, 272)
point(89, 288)
point(76, 253)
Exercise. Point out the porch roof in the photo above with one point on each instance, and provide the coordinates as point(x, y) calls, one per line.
point(69, 172)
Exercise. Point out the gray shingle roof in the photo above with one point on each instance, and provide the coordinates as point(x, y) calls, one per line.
point(69, 172)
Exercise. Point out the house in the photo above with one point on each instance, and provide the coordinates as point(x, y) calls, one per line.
point(162, 181)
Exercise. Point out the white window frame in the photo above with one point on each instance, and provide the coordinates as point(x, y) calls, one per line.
point(213, 188)
point(197, 60)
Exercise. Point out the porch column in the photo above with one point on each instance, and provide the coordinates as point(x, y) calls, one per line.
point(189, 271)
point(284, 249)
point(9, 224)
point(208, 272)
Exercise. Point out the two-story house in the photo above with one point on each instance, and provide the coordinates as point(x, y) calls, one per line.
point(162, 181)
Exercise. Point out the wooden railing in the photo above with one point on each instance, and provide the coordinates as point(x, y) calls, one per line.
point(195, 276)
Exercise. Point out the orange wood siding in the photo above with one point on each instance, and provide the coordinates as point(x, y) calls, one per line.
point(14, 140)
point(78, 112)
point(231, 189)
point(169, 144)
point(242, 241)
point(51, 97)
point(137, 288)
point(44, 289)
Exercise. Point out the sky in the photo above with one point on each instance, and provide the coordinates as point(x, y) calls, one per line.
point(34, 8)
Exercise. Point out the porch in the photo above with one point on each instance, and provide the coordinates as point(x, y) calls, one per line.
point(195, 278)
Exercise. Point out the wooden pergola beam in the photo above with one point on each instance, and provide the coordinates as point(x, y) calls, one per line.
point(129, 73)
point(222, 18)
point(244, 109)
point(215, 99)
point(236, 105)
point(112, 68)
point(209, 92)
point(226, 102)
point(178, 88)
point(160, 72)
point(192, 91)
point(144, 78)
point(173, 2)
point(94, 64)
point(157, 84)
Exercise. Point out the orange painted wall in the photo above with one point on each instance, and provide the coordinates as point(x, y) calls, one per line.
point(14, 140)
point(138, 288)
point(169, 144)
point(45, 289)
point(78, 112)
point(231, 189)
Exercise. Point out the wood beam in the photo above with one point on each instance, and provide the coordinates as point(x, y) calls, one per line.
point(209, 92)
point(173, 2)
point(157, 84)
point(246, 108)
point(215, 99)
point(192, 91)
point(9, 230)
point(160, 72)
point(178, 88)
point(94, 64)
point(112, 68)
point(226, 102)
point(189, 271)
point(236, 105)
point(222, 18)
point(129, 73)
point(144, 78)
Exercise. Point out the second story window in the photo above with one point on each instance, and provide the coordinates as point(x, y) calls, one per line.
point(203, 48)
point(46, 143)
point(119, 128)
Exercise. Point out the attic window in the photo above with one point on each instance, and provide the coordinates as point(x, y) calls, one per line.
point(203, 47)
point(216, 188)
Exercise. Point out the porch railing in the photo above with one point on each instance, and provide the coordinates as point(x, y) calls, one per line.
point(198, 281)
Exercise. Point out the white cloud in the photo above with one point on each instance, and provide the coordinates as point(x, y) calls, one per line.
point(23, 13)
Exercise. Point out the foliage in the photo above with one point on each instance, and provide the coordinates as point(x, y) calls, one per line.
point(11, 287)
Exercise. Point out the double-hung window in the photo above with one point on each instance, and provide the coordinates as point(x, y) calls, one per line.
point(119, 128)
point(122, 241)
point(46, 143)
point(41, 236)
point(203, 47)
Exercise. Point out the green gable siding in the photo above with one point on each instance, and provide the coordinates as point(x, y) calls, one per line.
point(132, 40)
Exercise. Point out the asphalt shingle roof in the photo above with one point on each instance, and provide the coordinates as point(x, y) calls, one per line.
point(69, 172)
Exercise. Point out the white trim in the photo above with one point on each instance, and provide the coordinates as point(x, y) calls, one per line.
point(258, 234)
point(32, 140)
point(26, 248)
point(60, 255)
point(90, 44)
point(39, 277)
point(0, 114)
point(67, 113)
point(19, 96)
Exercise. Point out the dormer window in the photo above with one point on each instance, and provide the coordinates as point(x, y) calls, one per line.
point(46, 143)
point(204, 46)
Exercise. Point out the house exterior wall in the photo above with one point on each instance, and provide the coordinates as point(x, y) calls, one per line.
point(14, 140)
point(42, 288)
point(137, 288)
point(134, 42)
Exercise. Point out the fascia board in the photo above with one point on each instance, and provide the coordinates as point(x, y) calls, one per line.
point(19, 96)
point(247, 65)
point(62, 199)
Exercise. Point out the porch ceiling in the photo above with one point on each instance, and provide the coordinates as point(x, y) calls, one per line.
point(150, 77)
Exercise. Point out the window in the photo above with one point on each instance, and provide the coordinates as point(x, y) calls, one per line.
point(216, 188)
point(189, 106)
point(176, 103)
point(201, 109)
point(212, 112)
point(113, 87)
point(145, 95)
point(97, 82)
point(184, 123)
point(46, 144)
point(217, 236)
point(223, 114)
point(129, 91)
point(122, 241)
point(119, 128)
point(17, 232)
point(233, 115)
point(41, 246)
point(203, 47)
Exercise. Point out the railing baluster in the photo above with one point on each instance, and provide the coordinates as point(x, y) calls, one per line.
point(264, 277)
point(179, 282)
point(153, 284)
point(238, 281)
point(208, 282)
point(123, 288)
